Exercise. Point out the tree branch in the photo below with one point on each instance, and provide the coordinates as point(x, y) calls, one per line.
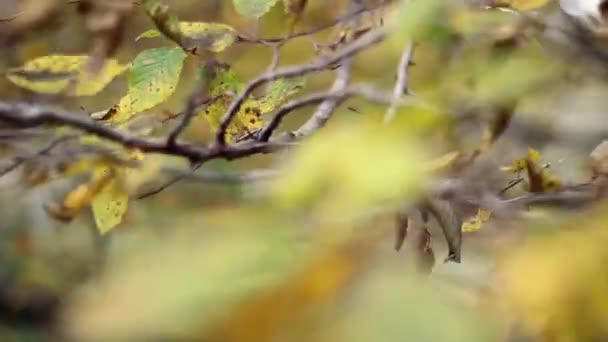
point(318, 64)
point(326, 109)
point(30, 115)
point(401, 85)
point(364, 91)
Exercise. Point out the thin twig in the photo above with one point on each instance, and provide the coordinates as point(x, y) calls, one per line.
point(320, 117)
point(290, 72)
point(168, 183)
point(17, 161)
point(362, 90)
point(312, 31)
point(225, 178)
point(401, 85)
point(188, 114)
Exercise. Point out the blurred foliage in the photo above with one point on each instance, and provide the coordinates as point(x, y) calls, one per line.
point(306, 253)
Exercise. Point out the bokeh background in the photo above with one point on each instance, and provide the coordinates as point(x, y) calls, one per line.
point(309, 255)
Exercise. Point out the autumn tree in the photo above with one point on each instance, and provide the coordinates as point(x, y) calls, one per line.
point(304, 170)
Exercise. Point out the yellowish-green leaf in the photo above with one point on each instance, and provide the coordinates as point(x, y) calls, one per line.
point(153, 77)
point(109, 205)
point(278, 91)
point(253, 8)
point(56, 74)
point(475, 223)
point(362, 172)
point(294, 7)
point(520, 164)
point(442, 162)
point(523, 5)
point(209, 36)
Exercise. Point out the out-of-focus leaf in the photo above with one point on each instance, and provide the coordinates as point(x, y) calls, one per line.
point(518, 165)
point(401, 226)
point(599, 159)
point(418, 17)
point(540, 179)
point(553, 282)
point(450, 221)
point(194, 283)
point(294, 7)
point(54, 74)
point(474, 223)
point(442, 162)
point(253, 8)
point(471, 20)
point(209, 36)
point(368, 166)
point(153, 77)
point(497, 126)
point(389, 306)
point(317, 285)
point(523, 5)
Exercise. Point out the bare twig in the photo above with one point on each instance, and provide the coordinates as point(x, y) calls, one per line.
point(188, 113)
point(225, 178)
point(293, 71)
point(312, 31)
point(401, 85)
point(327, 107)
point(18, 160)
point(362, 90)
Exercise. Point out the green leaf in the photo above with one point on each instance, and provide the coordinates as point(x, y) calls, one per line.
point(153, 77)
point(213, 37)
point(278, 91)
point(56, 74)
point(253, 8)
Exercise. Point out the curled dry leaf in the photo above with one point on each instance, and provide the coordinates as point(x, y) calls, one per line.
point(450, 221)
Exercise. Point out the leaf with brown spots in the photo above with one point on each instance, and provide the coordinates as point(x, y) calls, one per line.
point(153, 77)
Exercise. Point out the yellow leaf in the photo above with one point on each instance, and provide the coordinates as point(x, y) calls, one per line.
point(361, 173)
point(554, 283)
point(441, 162)
point(209, 36)
point(55, 74)
point(81, 196)
point(475, 223)
point(523, 5)
point(109, 205)
point(518, 165)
